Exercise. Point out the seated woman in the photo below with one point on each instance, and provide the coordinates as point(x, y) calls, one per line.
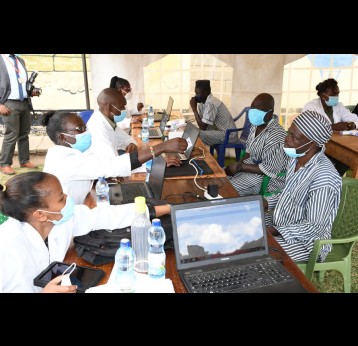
point(340, 117)
point(42, 222)
point(77, 167)
point(264, 153)
point(124, 87)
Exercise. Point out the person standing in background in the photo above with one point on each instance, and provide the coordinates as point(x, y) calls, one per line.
point(15, 112)
point(340, 117)
point(124, 87)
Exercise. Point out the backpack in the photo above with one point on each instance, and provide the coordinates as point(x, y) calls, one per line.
point(100, 246)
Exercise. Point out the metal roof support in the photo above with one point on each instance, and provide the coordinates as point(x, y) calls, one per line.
point(84, 65)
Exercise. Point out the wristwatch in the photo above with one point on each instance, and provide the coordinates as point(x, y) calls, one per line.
point(350, 125)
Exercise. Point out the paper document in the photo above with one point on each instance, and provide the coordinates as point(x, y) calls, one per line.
point(349, 133)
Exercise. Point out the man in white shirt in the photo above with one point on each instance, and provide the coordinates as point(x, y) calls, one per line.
point(107, 137)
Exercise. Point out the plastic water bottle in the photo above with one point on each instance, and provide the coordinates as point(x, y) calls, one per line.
point(139, 229)
point(125, 257)
point(102, 191)
point(145, 131)
point(156, 253)
point(151, 116)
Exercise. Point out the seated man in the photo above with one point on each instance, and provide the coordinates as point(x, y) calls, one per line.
point(107, 137)
point(308, 204)
point(340, 117)
point(264, 150)
point(211, 115)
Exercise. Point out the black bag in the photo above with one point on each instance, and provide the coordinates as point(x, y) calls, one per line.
point(100, 246)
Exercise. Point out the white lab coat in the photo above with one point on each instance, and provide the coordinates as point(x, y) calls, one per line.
point(76, 170)
point(340, 113)
point(23, 253)
point(105, 140)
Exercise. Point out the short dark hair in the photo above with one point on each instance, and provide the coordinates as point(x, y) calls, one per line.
point(329, 83)
point(203, 84)
point(22, 194)
point(54, 122)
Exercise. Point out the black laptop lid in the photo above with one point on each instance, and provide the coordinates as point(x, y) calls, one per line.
point(163, 122)
point(170, 105)
point(156, 177)
point(217, 231)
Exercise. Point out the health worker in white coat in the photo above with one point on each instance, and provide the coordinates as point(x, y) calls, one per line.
point(340, 117)
point(108, 139)
point(77, 167)
point(42, 222)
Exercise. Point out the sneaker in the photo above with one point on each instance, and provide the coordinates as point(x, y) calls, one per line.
point(28, 165)
point(7, 170)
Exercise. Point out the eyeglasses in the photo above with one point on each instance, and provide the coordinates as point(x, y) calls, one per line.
point(116, 108)
point(79, 128)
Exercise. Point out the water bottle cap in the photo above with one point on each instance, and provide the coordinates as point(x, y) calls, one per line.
point(140, 206)
point(125, 242)
point(156, 222)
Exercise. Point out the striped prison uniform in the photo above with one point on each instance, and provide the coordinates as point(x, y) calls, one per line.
point(266, 151)
point(214, 113)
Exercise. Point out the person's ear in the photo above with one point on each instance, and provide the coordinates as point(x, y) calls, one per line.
point(39, 216)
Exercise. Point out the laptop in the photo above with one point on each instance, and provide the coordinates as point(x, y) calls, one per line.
point(157, 132)
point(158, 115)
point(355, 110)
point(126, 192)
point(191, 134)
point(221, 246)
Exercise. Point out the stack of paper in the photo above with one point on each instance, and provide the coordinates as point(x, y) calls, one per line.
point(349, 133)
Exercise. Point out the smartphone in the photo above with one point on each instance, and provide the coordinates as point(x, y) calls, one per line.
point(83, 277)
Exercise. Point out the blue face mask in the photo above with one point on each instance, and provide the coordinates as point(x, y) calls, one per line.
point(291, 152)
point(199, 99)
point(83, 141)
point(332, 100)
point(66, 211)
point(256, 116)
point(122, 115)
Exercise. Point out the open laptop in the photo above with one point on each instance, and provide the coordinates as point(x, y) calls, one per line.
point(191, 134)
point(158, 115)
point(221, 246)
point(126, 192)
point(157, 132)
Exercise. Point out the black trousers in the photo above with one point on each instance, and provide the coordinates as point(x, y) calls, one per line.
point(17, 129)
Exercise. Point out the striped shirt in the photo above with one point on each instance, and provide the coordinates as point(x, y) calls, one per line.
point(266, 151)
point(306, 208)
point(214, 113)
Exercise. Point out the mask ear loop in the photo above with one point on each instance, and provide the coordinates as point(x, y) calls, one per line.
point(72, 265)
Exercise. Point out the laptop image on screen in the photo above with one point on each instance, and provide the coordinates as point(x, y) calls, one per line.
point(158, 115)
point(126, 192)
point(157, 132)
point(191, 134)
point(221, 246)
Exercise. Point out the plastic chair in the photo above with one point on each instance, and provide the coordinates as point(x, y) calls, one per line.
point(221, 148)
point(85, 115)
point(264, 185)
point(344, 235)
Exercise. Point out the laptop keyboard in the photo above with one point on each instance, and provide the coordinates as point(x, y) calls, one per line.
point(239, 278)
point(154, 132)
point(130, 191)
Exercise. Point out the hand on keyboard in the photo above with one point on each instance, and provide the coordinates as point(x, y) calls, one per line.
point(172, 161)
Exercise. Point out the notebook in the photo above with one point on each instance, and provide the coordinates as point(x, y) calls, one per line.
point(221, 246)
point(126, 192)
point(157, 132)
point(191, 134)
point(158, 115)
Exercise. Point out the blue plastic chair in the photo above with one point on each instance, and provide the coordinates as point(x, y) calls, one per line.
point(85, 115)
point(241, 145)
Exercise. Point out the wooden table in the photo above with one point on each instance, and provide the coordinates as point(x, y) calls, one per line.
point(344, 149)
point(176, 191)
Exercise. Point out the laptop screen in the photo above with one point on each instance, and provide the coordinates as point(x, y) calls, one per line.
point(218, 230)
point(170, 105)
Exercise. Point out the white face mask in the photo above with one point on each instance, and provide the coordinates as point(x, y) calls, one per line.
point(128, 96)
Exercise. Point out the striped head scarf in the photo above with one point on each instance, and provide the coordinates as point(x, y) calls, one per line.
point(314, 126)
